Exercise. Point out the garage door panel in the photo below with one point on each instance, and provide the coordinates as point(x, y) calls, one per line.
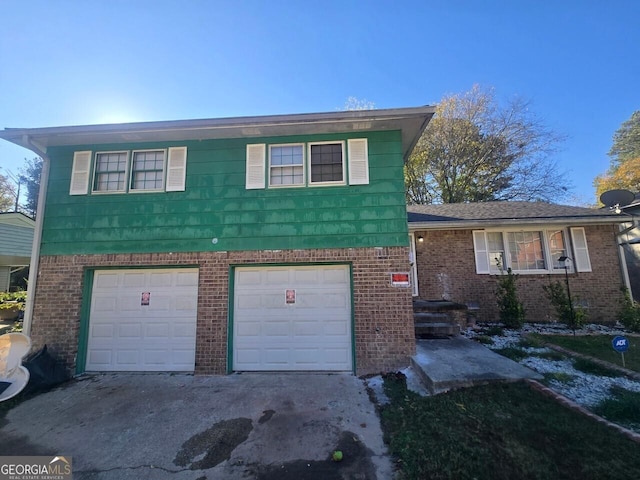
point(161, 279)
point(271, 334)
point(125, 335)
point(106, 280)
point(137, 279)
point(130, 331)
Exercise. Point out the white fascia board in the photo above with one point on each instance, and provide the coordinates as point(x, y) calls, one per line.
point(518, 222)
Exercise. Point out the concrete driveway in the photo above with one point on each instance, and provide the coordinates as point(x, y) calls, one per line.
point(249, 426)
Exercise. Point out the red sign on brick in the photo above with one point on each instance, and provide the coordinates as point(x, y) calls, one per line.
point(400, 279)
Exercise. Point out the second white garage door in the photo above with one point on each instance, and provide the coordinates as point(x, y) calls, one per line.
point(292, 318)
point(143, 320)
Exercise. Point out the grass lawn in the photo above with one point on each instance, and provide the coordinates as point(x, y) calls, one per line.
point(499, 431)
point(598, 346)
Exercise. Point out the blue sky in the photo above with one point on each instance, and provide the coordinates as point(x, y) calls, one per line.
point(78, 62)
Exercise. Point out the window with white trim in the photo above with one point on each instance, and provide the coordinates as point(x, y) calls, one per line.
point(326, 163)
point(147, 170)
point(529, 251)
point(129, 171)
point(286, 165)
point(307, 164)
point(110, 171)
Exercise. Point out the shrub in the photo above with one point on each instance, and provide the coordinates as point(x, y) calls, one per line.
point(11, 304)
point(629, 314)
point(512, 313)
point(567, 312)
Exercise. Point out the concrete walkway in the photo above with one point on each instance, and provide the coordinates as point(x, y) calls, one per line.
point(445, 364)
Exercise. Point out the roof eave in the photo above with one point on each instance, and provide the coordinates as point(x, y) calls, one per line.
point(522, 222)
point(411, 121)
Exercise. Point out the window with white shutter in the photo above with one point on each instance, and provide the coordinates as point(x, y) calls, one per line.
point(580, 250)
point(529, 251)
point(482, 254)
point(256, 157)
point(358, 161)
point(176, 169)
point(80, 173)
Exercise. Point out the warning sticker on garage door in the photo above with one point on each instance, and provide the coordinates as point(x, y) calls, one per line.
point(146, 298)
point(290, 297)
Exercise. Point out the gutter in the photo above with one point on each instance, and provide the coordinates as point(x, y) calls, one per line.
point(34, 266)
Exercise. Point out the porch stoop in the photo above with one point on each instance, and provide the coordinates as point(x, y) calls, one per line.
point(438, 318)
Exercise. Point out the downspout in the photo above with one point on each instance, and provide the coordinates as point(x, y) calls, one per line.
point(37, 235)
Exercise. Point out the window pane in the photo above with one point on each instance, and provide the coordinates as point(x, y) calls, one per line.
point(525, 250)
point(496, 252)
point(286, 176)
point(147, 170)
point(286, 155)
point(557, 247)
point(326, 163)
point(110, 172)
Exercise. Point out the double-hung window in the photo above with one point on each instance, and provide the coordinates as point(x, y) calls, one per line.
point(326, 163)
point(147, 170)
point(129, 171)
point(530, 251)
point(286, 165)
point(309, 164)
point(110, 172)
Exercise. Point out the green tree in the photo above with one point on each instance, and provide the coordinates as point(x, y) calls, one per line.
point(30, 178)
point(475, 149)
point(624, 169)
point(7, 194)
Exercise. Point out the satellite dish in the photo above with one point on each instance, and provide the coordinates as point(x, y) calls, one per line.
point(611, 198)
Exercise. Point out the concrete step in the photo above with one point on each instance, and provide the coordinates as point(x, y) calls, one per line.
point(437, 306)
point(436, 329)
point(459, 362)
point(427, 317)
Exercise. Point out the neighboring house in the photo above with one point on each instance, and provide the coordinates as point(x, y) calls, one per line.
point(238, 244)
point(16, 240)
point(460, 248)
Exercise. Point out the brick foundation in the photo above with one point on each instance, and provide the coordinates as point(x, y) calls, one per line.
point(383, 318)
point(446, 268)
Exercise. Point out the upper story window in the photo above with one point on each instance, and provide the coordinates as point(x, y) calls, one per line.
point(110, 172)
point(326, 163)
point(530, 251)
point(147, 170)
point(286, 165)
point(122, 171)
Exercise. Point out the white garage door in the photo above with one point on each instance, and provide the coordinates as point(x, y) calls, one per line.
point(292, 318)
point(143, 320)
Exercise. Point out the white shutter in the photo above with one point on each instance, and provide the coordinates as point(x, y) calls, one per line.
point(480, 249)
point(256, 156)
point(580, 250)
point(358, 161)
point(176, 169)
point(80, 173)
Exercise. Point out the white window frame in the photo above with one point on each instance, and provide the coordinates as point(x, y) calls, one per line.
point(269, 166)
point(164, 171)
point(94, 166)
point(546, 251)
point(344, 169)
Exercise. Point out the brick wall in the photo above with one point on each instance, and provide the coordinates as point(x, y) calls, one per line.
point(383, 321)
point(446, 268)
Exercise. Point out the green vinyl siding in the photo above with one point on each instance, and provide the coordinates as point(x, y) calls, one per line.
point(216, 204)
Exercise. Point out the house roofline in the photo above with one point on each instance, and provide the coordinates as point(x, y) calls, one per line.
point(411, 121)
point(522, 222)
